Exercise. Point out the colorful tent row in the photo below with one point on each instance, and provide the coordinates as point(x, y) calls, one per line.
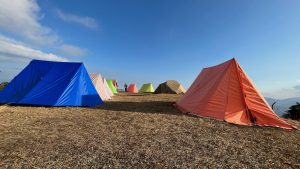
point(50, 83)
point(170, 86)
point(221, 92)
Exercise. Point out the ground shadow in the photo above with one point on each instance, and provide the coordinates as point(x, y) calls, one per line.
point(159, 107)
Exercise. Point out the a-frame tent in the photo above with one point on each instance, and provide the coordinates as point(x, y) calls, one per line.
point(147, 88)
point(225, 92)
point(52, 84)
point(99, 85)
point(171, 87)
point(132, 88)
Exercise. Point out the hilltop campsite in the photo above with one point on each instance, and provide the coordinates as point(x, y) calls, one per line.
point(149, 84)
point(140, 129)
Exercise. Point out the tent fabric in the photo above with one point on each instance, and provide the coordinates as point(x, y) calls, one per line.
point(147, 88)
point(115, 82)
point(99, 86)
point(108, 90)
point(171, 87)
point(225, 92)
point(132, 88)
point(112, 86)
point(52, 84)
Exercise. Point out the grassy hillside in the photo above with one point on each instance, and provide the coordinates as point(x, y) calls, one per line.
point(139, 131)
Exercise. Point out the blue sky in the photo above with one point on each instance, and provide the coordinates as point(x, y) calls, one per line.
point(140, 41)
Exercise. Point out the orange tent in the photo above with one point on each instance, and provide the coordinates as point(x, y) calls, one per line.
point(225, 92)
point(132, 88)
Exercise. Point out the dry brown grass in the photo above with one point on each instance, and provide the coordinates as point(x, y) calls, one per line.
point(139, 131)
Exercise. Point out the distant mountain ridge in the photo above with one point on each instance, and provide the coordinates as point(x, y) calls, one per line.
point(282, 105)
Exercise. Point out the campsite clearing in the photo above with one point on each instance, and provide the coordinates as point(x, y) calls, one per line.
point(139, 131)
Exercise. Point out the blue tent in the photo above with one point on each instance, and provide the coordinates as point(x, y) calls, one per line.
point(52, 84)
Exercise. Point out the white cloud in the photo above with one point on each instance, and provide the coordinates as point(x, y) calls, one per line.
point(72, 50)
point(11, 50)
point(21, 18)
point(85, 21)
point(23, 37)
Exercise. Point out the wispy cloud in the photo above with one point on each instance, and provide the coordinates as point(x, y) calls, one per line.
point(21, 18)
point(71, 50)
point(23, 37)
point(85, 21)
point(11, 50)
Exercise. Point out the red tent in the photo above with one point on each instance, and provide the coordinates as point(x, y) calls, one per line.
point(115, 83)
point(225, 92)
point(132, 88)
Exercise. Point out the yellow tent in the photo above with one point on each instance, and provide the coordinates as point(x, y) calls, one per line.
point(147, 88)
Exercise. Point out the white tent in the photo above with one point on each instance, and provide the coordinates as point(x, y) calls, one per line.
point(100, 86)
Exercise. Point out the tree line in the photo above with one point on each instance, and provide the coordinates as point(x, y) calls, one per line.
point(293, 112)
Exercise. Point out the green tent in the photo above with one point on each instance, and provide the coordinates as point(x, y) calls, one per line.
point(147, 88)
point(111, 86)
